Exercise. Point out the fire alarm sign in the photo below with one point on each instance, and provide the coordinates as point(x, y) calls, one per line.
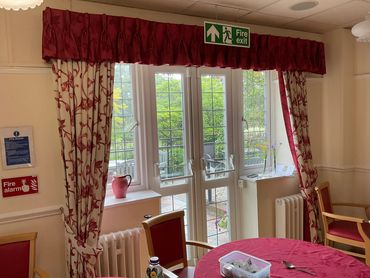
point(19, 186)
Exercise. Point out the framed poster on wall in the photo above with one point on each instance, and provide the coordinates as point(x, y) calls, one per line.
point(17, 147)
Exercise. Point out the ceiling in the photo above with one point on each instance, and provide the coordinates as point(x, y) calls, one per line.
point(326, 16)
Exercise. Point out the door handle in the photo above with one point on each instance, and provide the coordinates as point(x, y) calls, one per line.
point(231, 166)
point(190, 175)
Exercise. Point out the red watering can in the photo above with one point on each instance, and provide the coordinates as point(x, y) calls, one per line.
point(120, 185)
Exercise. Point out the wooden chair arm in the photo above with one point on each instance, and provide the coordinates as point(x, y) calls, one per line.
point(344, 218)
point(199, 244)
point(41, 273)
point(169, 274)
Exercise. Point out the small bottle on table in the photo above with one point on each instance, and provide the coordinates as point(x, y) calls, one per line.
point(154, 270)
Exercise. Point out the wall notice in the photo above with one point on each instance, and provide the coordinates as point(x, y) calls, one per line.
point(19, 186)
point(17, 147)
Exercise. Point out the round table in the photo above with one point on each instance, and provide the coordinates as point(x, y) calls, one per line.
point(322, 260)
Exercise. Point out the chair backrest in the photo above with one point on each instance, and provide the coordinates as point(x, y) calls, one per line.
point(165, 235)
point(17, 255)
point(323, 194)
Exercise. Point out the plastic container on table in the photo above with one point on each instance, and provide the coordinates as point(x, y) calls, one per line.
point(226, 266)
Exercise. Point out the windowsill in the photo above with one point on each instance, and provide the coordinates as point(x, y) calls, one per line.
point(131, 197)
point(267, 176)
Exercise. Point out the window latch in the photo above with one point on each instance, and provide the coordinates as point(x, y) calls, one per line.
point(245, 121)
point(133, 125)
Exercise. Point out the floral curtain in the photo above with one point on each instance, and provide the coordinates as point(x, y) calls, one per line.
point(293, 96)
point(84, 103)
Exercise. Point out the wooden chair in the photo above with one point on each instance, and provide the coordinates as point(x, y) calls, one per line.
point(347, 230)
point(17, 257)
point(165, 235)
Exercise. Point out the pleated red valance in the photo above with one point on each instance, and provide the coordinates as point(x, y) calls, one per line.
point(95, 38)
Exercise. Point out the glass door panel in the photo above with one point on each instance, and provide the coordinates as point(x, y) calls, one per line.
point(172, 150)
point(215, 140)
point(169, 92)
point(193, 120)
point(217, 210)
point(214, 125)
point(177, 202)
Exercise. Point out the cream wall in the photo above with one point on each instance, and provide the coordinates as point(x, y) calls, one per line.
point(26, 99)
point(315, 111)
point(258, 204)
point(338, 100)
point(361, 124)
point(361, 90)
point(344, 126)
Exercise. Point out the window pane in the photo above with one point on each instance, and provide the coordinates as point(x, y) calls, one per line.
point(214, 125)
point(217, 210)
point(170, 118)
point(177, 202)
point(122, 158)
point(255, 117)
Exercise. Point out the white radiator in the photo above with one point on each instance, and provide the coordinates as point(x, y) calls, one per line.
point(289, 217)
point(121, 254)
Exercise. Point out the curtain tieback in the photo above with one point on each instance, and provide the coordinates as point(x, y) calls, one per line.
point(88, 252)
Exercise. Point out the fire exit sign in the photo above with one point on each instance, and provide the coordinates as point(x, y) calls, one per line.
point(217, 33)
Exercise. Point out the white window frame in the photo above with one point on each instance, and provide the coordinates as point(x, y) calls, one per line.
point(210, 184)
point(182, 184)
point(139, 183)
point(146, 139)
point(145, 111)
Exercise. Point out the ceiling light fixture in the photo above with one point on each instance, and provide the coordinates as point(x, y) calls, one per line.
point(362, 30)
point(306, 5)
point(19, 4)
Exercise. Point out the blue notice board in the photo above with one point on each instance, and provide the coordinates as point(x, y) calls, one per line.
point(17, 150)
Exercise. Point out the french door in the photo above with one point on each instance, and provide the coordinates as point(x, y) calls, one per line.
point(193, 152)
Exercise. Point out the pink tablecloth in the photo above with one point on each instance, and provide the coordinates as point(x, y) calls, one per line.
point(324, 261)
